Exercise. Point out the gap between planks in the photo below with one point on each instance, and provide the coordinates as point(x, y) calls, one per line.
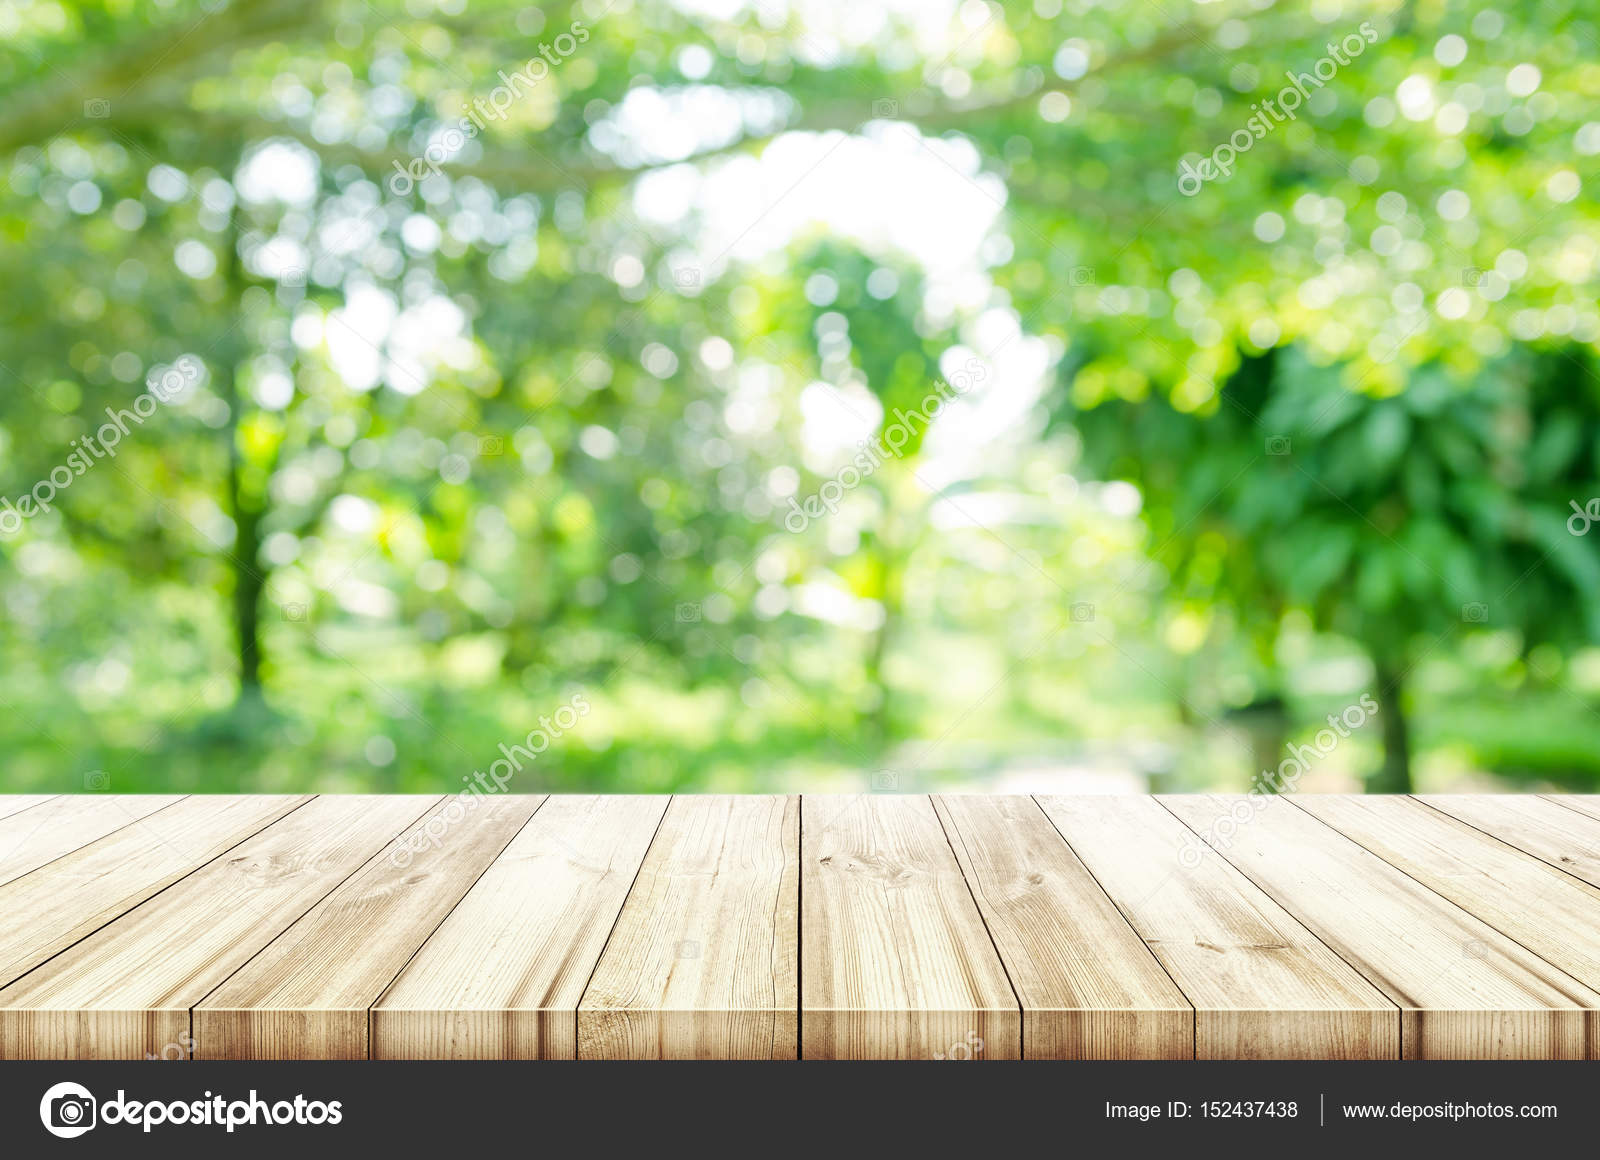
point(955, 842)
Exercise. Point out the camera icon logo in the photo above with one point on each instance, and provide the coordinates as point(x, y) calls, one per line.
point(885, 781)
point(1475, 613)
point(294, 610)
point(885, 108)
point(97, 108)
point(67, 1110)
point(1277, 445)
point(686, 277)
point(1472, 276)
point(492, 445)
point(1082, 612)
point(688, 612)
point(1082, 276)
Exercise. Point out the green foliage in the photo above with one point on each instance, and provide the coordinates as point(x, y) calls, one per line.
point(1393, 521)
point(467, 435)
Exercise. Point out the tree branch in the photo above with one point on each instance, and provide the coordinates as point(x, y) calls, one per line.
point(124, 78)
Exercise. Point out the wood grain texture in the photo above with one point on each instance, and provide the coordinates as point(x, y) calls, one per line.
point(1465, 990)
point(1550, 913)
point(307, 994)
point(15, 803)
point(1583, 803)
point(704, 960)
point(126, 990)
point(46, 911)
point(896, 961)
point(1088, 984)
point(765, 927)
point(34, 837)
point(1546, 828)
point(1262, 985)
point(503, 975)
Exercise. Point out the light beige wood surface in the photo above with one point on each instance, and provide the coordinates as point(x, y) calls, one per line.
point(1550, 913)
point(46, 911)
point(1088, 985)
point(1583, 803)
point(502, 976)
point(703, 963)
point(1262, 985)
point(306, 995)
point(957, 927)
point(30, 839)
point(16, 803)
point(125, 991)
point(1546, 828)
point(1465, 990)
point(895, 960)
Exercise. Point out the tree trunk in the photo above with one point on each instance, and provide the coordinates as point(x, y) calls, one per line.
point(1269, 743)
point(880, 721)
point(1265, 725)
point(248, 584)
point(245, 559)
point(1394, 776)
point(886, 548)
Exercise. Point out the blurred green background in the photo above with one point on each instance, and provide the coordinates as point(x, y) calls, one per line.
point(488, 370)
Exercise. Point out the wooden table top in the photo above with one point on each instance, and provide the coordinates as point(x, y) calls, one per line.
point(766, 927)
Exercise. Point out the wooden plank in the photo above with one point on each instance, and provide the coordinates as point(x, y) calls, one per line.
point(1465, 990)
point(503, 975)
point(15, 803)
point(1539, 826)
point(896, 961)
point(32, 838)
point(126, 990)
point(1089, 986)
point(1553, 914)
point(704, 960)
point(307, 994)
point(74, 896)
point(1583, 803)
point(1262, 985)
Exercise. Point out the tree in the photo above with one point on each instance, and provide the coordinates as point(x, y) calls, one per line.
point(1398, 522)
point(295, 194)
